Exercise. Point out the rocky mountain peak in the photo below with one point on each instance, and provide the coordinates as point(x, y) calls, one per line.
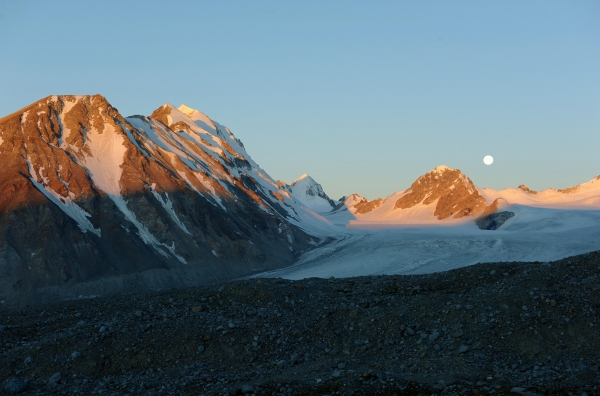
point(455, 194)
point(88, 194)
point(311, 194)
point(526, 189)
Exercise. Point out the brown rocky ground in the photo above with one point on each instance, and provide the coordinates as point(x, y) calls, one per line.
point(497, 328)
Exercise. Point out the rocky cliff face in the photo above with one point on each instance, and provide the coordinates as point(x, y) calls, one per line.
point(92, 202)
point(456, 195)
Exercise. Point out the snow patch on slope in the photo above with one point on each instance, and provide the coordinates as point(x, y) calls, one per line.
point(143, 231)
point(106, 153)
point(168, 206)
point(65, 204)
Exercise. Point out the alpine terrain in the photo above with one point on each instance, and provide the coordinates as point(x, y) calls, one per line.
point(93, 202)
point(503, 295)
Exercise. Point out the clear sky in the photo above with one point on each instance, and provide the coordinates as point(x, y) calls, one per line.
point(363, 96)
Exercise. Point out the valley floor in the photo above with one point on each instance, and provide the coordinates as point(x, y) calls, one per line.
point(497, 328)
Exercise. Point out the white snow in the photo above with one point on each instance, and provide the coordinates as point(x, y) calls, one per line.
point(441, 168)
point(104, 160)
point(201, 119)
point(532, 234)
point(584, 196)
point(310, 193)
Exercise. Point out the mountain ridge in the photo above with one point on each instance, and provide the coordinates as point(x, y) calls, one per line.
point(89, 195)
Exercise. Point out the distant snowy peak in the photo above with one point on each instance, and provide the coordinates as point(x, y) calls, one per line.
point(349, 203)
point(359, 205)
point(353, 200)
point(585, 195)
point(453, 193)
point(310, 193)
point(526, 189)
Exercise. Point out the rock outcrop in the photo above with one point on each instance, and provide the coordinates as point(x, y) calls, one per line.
point(493, 221)
point(456, 195)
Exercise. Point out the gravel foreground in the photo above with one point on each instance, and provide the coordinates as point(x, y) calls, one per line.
point(497, 328)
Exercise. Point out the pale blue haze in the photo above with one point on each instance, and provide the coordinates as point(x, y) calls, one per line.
point(363, 96)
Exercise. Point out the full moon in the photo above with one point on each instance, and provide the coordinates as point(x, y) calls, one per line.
point(488, 159)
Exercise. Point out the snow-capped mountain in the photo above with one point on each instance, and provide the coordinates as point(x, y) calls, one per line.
point(310, 193)
point(443, 194)
point(447, 196)
point(93, 200)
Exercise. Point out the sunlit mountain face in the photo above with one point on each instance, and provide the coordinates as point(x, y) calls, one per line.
point(169, 199)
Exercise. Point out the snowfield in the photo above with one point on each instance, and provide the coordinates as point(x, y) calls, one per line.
point(371, 248)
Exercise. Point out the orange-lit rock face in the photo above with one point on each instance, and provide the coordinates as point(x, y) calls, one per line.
point(568, 190)
point(526, 189)
point(492, 208)
point(368, 206)
point(455, 193)
point(33, 147)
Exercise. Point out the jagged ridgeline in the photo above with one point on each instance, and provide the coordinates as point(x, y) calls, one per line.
point(92, 202)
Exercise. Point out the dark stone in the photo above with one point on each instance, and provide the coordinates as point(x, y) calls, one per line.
point(14, 385)
point(494, 220)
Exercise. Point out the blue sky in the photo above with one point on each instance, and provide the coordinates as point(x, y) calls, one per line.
point(363, 96)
